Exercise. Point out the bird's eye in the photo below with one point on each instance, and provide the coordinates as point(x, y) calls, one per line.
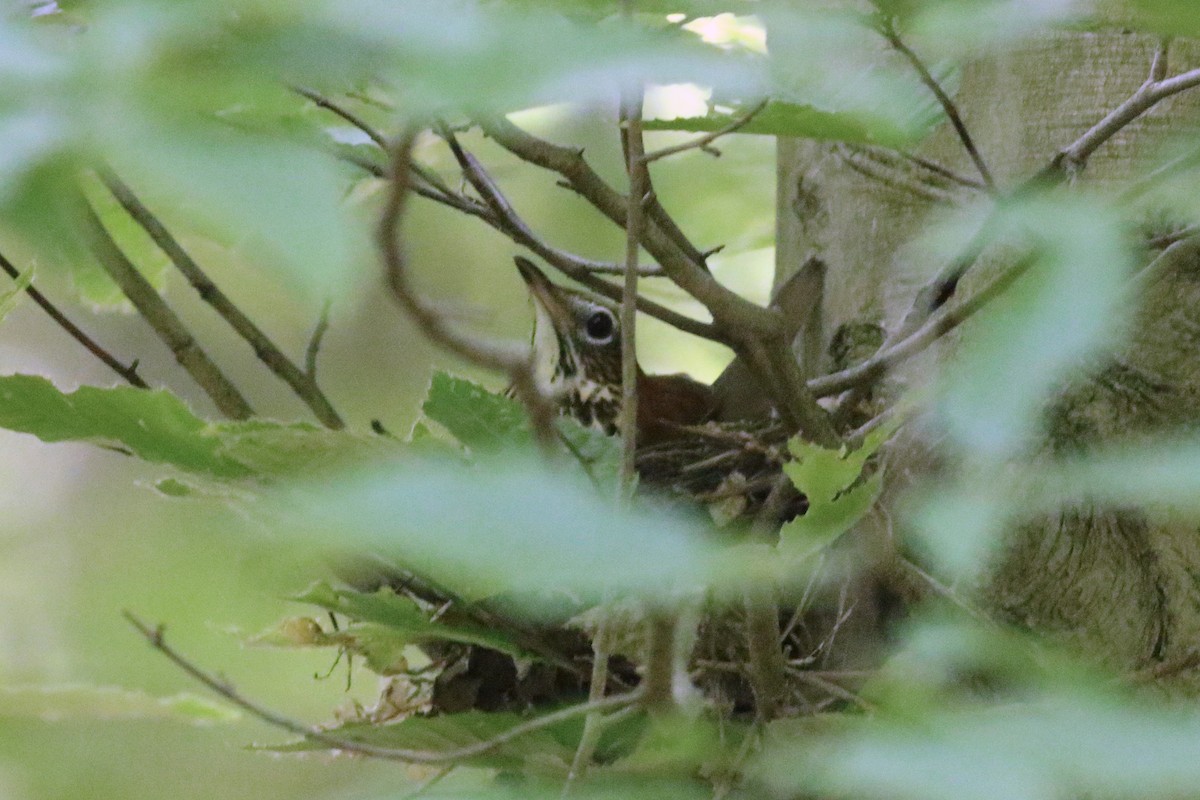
point(600, 327)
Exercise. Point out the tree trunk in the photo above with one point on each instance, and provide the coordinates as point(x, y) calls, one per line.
point(1115, 582)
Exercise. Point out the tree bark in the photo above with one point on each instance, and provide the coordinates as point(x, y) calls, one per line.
point(1118, 583)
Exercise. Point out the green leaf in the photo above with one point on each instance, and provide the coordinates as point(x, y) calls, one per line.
point(830, 67)
point(506, 525)
point(404, 618)
point(60, 702)
point(11, 296)
point(481, 420)
point(547, 750)
point(153, 425)
point(1167, 17)
point(962, 28)
point(92, 282)
point(1026, 341)
point(780, 118)
point(832, 482)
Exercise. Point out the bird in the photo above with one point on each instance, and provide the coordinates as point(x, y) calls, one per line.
point(577, 360)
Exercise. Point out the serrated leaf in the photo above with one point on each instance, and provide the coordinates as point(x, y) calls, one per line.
point(483, 421)
point(837, 495)
point(405, 619)
point(153, 425)
point(85, 702)
point(276, 449)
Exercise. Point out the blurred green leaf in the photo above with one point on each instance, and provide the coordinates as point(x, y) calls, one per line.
point(1168, 17)
point(508, 525)
point(789, 119)
point(405, 618)
point(73, 702)
point(153, 425)
point(830, 67)
point(481, 420)
point(275, 449)
point(1023, 344)
point(961, 28)
point(1070, 744)
point(547, 750)
point(93, 283)
point(12, 295)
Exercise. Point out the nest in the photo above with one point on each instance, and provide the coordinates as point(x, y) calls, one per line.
point(735, 470)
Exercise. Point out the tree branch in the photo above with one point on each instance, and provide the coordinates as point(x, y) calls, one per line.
point(702, 142)
point(639, 185)
point(516, 362)
point(730, 311)
point(889, 356)
point(163, 320)
point(128, 373)
point(888, 30)
point(1149, 94)
point(156, 639)
point(507, 221)
point(301, 382)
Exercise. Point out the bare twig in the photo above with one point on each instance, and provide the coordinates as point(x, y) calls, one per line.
point(947, 103)
point(639, 185)
point(707, 139)
point(1156, 89)
point(515, 361)
point(767, 663)
point(371, 132)
point(268, 352)
point(593, 723)
point(223, 688)
point(919, 340)
point(128, 373)
point(164, 321)
point(314, 342)
point(658, 673)
point(729, 310)
point(507, 221)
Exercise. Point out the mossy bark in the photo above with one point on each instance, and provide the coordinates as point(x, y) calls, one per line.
point(1119, 583)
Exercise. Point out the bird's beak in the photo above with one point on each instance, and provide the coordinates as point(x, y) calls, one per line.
point(546, 295)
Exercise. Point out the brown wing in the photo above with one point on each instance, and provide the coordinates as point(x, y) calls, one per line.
point(668, 401)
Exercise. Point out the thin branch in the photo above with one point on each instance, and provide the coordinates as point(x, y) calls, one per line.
point(164, 321)
point(223, 688)
point(1149, 94)
point(947, 103)
point(767, 664)
point(658, 672)
point(314, 342)
point(371, 132)
point(919, 340)
point(128, 373)
point(593, 723)
point(515, 361)
point(639, 185)
point(268, 352)
point(505, 219)
point(704, 141)
point(730, 311)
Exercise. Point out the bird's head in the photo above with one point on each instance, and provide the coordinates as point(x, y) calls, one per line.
point(577, 348)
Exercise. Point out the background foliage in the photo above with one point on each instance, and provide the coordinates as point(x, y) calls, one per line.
point(213, 525)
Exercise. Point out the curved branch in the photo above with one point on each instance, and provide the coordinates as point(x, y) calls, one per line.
point(223, 688)
point(516, 362)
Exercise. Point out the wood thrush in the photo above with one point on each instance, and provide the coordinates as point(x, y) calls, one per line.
point(577, 353)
